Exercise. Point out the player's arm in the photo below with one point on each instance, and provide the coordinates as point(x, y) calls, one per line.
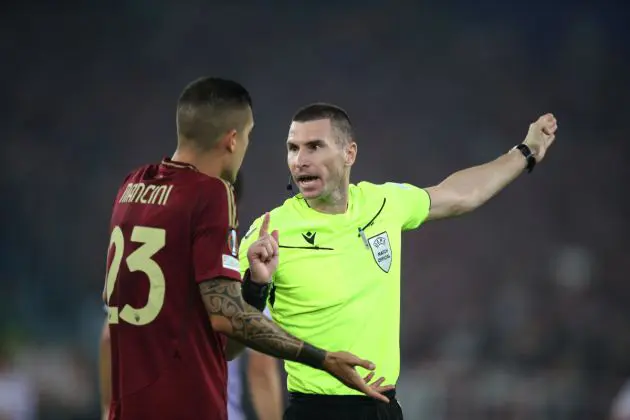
point(248, 300)
point(265, 385)
point(470, 188)
point(105, 371)
point(255, 293)
point(218, 275)
point(232, 316)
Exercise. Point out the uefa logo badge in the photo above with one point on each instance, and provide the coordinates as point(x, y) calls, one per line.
point(381, 250)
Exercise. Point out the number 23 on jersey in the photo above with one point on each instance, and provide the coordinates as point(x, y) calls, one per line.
point(151, 241)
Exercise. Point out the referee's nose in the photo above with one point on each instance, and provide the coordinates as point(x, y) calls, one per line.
point(301, 159)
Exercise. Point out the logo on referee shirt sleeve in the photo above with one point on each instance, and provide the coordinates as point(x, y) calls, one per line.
point(381, 250)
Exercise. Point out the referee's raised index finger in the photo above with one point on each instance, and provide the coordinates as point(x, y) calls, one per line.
point(264, 228)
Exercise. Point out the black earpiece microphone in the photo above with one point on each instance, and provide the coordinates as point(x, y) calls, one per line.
point(290, 184)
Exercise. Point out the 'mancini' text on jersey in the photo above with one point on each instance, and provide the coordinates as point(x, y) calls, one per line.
point(138, 192)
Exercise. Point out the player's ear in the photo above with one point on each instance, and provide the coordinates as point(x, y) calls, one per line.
point(351, 153)
point(229, 140)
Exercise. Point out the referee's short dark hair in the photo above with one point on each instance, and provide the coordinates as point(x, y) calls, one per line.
point(208, 108)
point(338, 117)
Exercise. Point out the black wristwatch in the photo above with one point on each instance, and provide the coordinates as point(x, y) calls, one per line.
point(529, 156)
point(253, 293)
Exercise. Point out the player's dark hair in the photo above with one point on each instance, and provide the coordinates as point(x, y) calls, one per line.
point(210, 107)
point(339, 119)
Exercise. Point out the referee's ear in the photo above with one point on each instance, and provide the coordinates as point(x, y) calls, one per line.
point(351, 153)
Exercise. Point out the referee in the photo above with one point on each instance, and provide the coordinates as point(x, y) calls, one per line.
point(337, 284)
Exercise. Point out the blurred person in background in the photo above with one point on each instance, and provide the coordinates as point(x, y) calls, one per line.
point(105, 371)
point(338, 282)
point(621, 404)
point(18, 396)
point(258, 371)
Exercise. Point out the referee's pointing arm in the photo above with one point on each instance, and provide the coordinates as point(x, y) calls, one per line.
point(468, 189)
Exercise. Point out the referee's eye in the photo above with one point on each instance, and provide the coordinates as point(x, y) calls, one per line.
point(316, 144)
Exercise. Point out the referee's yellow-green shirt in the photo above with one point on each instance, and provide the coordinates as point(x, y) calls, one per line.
point(337, 285)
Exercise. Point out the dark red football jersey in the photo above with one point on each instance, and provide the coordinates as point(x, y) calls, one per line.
point(171, 228)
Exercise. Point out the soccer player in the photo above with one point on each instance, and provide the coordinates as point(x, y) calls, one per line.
point(257, 370)
point(338, 281)
point(173, 287)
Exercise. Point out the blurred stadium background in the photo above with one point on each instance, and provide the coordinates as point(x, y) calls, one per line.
point(518, 311)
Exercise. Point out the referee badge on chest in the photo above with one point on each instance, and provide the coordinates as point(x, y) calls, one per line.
point(381, 250)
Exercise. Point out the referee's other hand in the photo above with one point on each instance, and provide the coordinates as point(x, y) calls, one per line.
point(342, 366)
point(263, 254)
point(541, 135)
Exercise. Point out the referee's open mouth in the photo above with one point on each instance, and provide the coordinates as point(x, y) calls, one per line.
point(307, 181)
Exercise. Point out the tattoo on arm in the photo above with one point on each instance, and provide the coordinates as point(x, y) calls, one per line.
point(252, 328)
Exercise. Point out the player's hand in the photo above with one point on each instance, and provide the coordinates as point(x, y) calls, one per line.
point(263, 254)
point(342, 366)
point(541, 135)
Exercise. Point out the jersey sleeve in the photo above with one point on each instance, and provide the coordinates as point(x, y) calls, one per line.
point(248, 239)
point(215, 241)
point(412, 204)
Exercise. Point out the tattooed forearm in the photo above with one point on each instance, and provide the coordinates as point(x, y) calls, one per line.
point(252, 328)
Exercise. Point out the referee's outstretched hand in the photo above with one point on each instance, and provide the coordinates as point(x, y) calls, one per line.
point(541, 135)
point(342, 366)
point(263, 254)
